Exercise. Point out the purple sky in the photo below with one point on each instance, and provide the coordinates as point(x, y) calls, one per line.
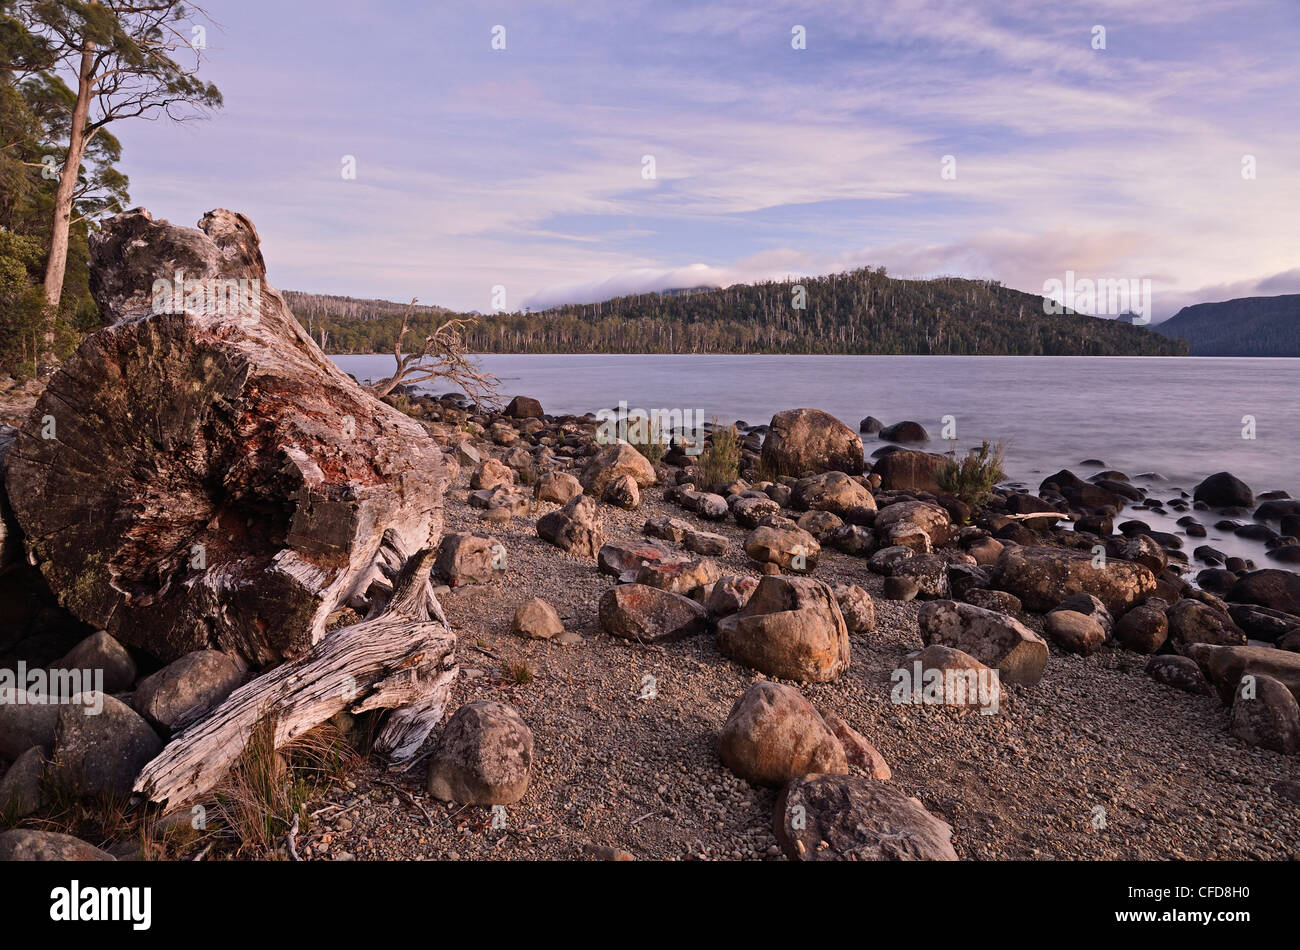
point(525, 167)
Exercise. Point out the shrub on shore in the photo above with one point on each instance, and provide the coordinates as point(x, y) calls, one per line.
point(973, 478)
point(720, 460)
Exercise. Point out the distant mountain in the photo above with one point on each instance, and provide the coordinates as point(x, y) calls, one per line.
point(858, 312)
point(1248, 326)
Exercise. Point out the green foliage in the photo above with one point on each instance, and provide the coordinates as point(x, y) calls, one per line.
point(858, 312)
point(973, 478)
point(135, 73)
point(720, 460)
point(21, 301)
point(32, 127)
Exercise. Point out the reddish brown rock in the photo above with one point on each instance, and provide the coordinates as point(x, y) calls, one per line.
point(792, 628)
point(808, 442)
point(852, 818)
point(773, 735)
point(649, 615)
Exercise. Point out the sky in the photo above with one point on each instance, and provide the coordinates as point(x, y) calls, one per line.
point(629, 146)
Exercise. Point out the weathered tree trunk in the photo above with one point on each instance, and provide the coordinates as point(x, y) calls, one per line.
point(403, 657)
point(207, 478)
point(56, 265)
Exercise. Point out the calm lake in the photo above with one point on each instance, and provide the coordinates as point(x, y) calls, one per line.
point(1179, 418)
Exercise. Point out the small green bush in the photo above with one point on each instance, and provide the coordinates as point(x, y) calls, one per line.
point(973, 478)
point(720, 460)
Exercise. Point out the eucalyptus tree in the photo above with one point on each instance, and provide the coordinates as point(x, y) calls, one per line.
point(105, 61)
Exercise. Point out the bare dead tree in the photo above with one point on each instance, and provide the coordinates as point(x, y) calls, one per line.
point(442, 355)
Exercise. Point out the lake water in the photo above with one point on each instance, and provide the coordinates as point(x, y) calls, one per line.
point(1179, 418)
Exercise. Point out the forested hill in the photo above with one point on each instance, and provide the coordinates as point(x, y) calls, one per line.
point(1248, 326)
point(317, 312)
point(859, 312)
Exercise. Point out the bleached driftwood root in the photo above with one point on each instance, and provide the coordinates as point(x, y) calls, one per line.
point(403, 659)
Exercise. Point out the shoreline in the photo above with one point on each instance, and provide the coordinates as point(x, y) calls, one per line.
point(619, 773)
point(625, 776)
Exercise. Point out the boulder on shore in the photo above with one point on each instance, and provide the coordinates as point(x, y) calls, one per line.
point(783, 543)
point(577, 527)
point(465, 558)
point(1193, 621)
point(26, 844)
point(612, 462)
point(100, 745)
point(484, 756)
point(790, 627)
point(932, 519)
point(558, 487)
point(1225, 665)
point(808, 441)
point(537, 620)
point(910, 471)
point(835, 492)
point(992, 638)
point(650, 615)
point(1042, 577)
point(1265, 714)
point(185, 689)
point(773, 734)
point(1143, 629)
point(853, 818)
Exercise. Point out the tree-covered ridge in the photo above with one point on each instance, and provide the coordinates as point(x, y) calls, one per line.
point(1247, 326)
point(859, 312)
point(339, 318)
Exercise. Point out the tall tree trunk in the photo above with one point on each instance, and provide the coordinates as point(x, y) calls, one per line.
point(57, 265)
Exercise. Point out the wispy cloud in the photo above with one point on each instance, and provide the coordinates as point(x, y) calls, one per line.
point(523, 167)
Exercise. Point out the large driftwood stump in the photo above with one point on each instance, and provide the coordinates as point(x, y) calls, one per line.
point(207, 478)
point(405, 657)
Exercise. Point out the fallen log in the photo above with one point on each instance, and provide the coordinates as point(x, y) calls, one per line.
point(199, 475)
point(405, 657)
